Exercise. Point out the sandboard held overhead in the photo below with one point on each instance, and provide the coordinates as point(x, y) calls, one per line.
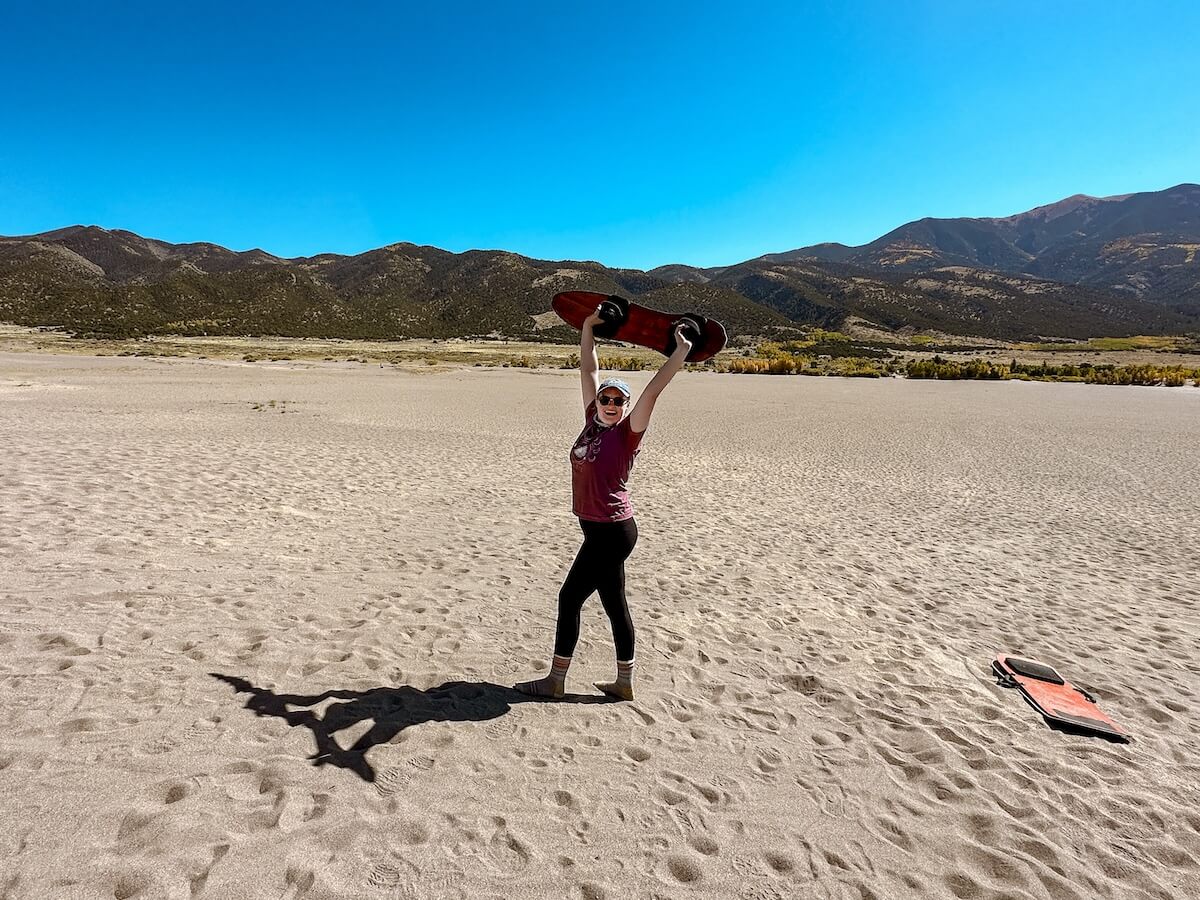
point(633, 323)
point(1059, 701)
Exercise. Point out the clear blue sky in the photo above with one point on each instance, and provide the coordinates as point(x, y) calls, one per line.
point(635, 134)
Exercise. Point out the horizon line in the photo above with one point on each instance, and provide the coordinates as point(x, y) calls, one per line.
point(1111, 197)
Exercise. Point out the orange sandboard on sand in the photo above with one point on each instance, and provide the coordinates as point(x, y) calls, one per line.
point(1054, 697)
point(633, 323)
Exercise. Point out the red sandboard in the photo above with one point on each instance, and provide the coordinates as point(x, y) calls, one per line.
point(627, 321)
point(1055, 697)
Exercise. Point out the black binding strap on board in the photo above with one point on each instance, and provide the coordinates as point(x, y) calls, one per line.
point(1002, 675)
point(614, 312)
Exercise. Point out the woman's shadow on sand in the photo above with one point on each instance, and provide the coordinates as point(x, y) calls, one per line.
point(392, 709)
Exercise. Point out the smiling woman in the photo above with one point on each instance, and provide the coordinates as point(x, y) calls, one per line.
point(602, 458)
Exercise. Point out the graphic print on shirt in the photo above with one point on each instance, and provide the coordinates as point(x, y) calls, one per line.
point(588, 443)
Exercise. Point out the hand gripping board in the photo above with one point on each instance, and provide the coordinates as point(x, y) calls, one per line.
point(633, 323)
point(1054, 697)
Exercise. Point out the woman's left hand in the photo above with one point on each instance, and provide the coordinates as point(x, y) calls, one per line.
point(682, 342)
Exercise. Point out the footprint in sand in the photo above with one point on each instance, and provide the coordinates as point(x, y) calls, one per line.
point(392, 780)
point(299, 881)
point(684, 868)
point(758, 891)
point(767, 761)
point(395, 778)
point(159, 746)
point(383, 875)
point(500, 730)
point(507, 851)
point(780, 863)
point(201, 878)
point(563, 800)
point(749, 866)
point(703, 844)
point(297, 811)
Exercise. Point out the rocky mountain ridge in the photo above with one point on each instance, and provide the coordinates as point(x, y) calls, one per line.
point(1080, 267)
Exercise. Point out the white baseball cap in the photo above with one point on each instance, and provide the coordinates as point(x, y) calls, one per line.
point(615, 383)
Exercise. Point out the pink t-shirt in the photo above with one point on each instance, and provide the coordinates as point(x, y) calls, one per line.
point(600, 463)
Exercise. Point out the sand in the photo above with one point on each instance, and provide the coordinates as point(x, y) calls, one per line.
point(209, 599)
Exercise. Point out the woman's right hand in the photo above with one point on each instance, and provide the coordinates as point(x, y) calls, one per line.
point(593, 320)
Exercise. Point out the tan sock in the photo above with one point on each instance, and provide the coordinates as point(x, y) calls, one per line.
point(553, 685)
point(623, 686)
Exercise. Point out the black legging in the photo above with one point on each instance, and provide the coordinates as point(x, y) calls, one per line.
point(599, 566)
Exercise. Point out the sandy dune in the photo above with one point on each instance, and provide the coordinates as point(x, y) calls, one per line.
point(210, 601)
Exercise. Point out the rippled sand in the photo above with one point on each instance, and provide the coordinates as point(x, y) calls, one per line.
point(256, 650)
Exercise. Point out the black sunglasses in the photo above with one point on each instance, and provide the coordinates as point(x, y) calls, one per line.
point(606, 401)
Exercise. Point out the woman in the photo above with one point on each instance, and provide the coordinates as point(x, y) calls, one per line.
point(601, 460)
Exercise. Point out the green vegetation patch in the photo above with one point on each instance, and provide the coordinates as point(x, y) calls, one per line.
point(1166, 376)
point(773, 358)
point(1137, 342)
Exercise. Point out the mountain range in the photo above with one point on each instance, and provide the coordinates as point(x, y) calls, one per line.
point(1084, 266)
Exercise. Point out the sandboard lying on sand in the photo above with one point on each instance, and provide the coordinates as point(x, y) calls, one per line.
point(1055, 697)
point(627, 321)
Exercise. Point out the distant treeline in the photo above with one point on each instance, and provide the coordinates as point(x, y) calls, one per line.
point(1169, 376)
point(780, 359)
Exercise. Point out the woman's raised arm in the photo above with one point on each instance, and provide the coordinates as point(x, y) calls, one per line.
point(589, 364)
point(639, 417)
